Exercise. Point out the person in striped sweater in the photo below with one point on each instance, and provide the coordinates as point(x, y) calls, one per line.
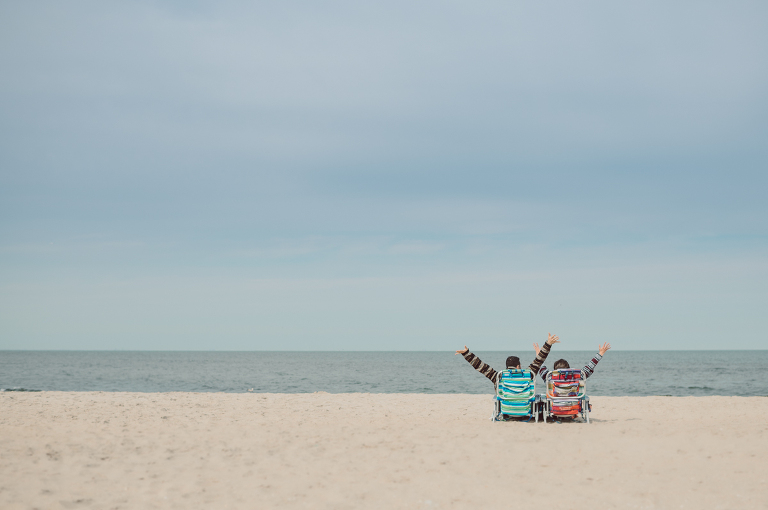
point(588, 369)
point(512, 361)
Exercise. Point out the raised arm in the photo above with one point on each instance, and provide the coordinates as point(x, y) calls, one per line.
point(541, 354)
point(589, 368)
point(478, 365)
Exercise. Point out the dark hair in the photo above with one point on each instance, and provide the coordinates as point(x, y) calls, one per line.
point(513, 362)
point(561, 363)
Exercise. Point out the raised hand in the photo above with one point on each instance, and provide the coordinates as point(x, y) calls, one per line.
point(536, 348)
point(603, 348)
point(462, 352)
point(553, 339)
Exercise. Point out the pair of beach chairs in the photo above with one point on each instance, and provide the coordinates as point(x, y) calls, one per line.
point(566, 396)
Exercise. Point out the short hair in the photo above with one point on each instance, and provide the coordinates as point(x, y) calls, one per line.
point(513, 362)
point(561, 363)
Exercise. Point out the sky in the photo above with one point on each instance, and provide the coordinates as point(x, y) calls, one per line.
point(383, 175)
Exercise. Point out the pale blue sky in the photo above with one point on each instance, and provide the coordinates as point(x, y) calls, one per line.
point(376, 176)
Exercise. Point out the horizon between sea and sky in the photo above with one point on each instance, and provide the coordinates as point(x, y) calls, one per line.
point(230, 176)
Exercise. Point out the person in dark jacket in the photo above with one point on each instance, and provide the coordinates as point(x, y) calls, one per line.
point(512, 361)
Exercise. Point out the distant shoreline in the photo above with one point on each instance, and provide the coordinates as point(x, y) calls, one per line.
point(490, 393)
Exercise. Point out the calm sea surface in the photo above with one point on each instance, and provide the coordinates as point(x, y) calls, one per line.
point(620, 373)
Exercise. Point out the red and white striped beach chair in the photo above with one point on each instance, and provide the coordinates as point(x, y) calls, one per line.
point(566, 395)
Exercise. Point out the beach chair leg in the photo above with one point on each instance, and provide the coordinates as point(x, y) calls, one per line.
point(586, 409)
point(536, 411)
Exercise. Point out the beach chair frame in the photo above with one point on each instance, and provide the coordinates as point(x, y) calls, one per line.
point(526, 395)
point(551, 400)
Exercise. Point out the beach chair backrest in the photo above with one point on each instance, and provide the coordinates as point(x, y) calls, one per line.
point(565, 383)
point(515, 392)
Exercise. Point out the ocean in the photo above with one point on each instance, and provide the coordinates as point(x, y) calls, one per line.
point(620, 373)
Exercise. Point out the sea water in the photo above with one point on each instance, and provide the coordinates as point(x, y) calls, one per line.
point(620, 373)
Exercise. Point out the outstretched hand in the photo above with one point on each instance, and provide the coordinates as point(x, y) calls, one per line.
point(462, 352)
point(553, 339)
point(536, 348)
point(603, 348)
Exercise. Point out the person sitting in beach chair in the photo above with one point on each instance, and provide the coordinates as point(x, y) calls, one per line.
point(566, 395)
point(588, 369)
point(514, 386)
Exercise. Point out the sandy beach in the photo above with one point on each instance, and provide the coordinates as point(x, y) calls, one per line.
point(232, 451)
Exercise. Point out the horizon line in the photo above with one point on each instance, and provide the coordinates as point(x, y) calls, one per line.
point(352, 350)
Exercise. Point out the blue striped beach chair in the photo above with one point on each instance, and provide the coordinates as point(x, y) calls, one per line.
point(515, 395)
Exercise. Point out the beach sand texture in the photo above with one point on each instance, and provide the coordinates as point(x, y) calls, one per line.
point(231, 451)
